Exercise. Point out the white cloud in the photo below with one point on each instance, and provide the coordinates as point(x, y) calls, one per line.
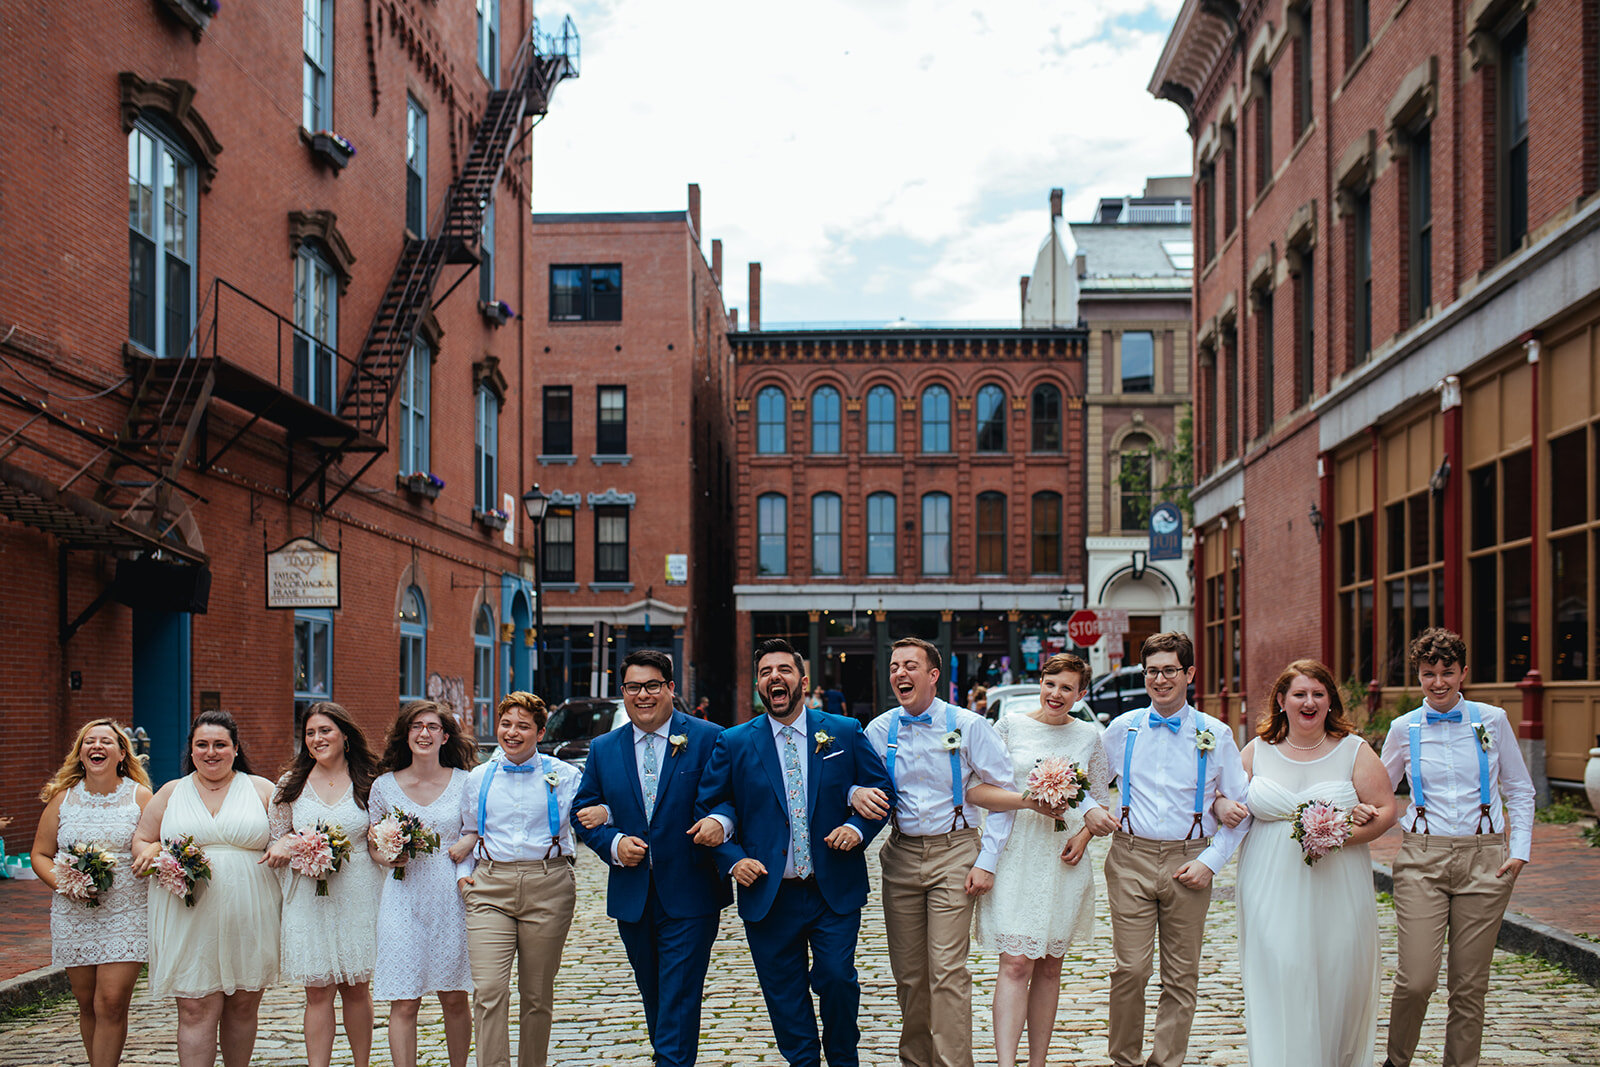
point(817, 130)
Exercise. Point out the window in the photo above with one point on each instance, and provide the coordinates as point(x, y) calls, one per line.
point(936, 419)
point(557, 420)
point(1413, 579)
point(772, 534)
point(1302, 69)
point(483, 687)
point(881, 420)
point(991, 409)
point(611, 543)
point(317, 75)
point(1263, 93)
point(1046, 527)
point(1499, 562)
point(558, 548)
point(1230, 390)
point(486, 255)
point(1134, 483)
point(1573, 532)
point(825, 420)
point(1208, 211)
point(413, 646)
point(416, 169)
point(1358, 29)
point(1179, 253)
point(1230, 179)
point(414, 398)
point(1514, 137)
point(489, 40)
point(316, 319)
point(161, 242)
point(313, 659)
point(1361, 277)
point(991, 533)
point(825, 534)
point(590, 293)
point(1419, 162)
point(486, 451)
point(1305, 334)
point(1354, 598)
point(1046, 405)
point(881, 534)
point(936, 533)
point(1264, 373)
point(1138, 362)
point(772, 422)
point(611, 429)
point(1206, 446)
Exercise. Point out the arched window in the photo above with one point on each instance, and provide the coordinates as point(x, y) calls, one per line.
point(1133, 482)
point(161, 241)
point(825, 420)
point(991, 410)
point(991, 533)
point(880, 534)
point(772, 422)
point(881, 435)
point(936, 419)
point(936, 533)
point(1046, 413)
point(772, 534)
point(826, 557)
point(413, 646)
point(483, 688)
point(1046, 533)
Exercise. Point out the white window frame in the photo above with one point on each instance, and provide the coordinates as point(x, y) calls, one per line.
point(316, 320)
point(316, 86)
point(486, 255)
point(415, 396)
point(486, 451)
point(414, 647)
point(162, 190)
point(318, 626)
point(936, 534)
point(489, 40)
point(416, 167)
point(483, 677)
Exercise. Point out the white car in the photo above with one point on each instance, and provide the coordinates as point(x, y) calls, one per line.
point(1022, 699)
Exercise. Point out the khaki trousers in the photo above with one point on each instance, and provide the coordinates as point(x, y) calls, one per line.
point(517, 911)
point(1446, 885)
point(928, 918)
point(1146, 900)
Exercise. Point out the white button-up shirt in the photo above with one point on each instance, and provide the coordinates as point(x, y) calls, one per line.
point(518, 810)
point(923, 802)
point(1165, 769)
point(1450, 776)
point(661, 738)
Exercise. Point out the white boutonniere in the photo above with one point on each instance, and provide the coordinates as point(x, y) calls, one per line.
point(679, 742)
point(952, 741)
point(552, 778)
point(1205, 741)
point(1482, 730)
point(823, 739)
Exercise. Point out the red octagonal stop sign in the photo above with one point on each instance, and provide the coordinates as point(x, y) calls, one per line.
point(1084, 628)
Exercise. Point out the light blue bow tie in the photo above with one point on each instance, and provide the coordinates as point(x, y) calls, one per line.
point(926, 719)
point(1453, 715)
point(1171, 724)
point(527, 767)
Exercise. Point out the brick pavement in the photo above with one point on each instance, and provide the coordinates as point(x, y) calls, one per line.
point(1540, 1015)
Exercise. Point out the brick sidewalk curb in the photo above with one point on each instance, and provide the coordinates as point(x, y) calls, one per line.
point(27, 988)
point(1525, 934)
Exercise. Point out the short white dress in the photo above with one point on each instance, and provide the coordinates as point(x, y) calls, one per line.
point(332, 939)
point(117, 930)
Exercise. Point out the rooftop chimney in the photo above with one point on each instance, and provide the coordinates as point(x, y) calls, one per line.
point(733, 319)
point(716, 260)
point(694, 210)
point(1055, 203)
point(1080, 265)
point(755, 297)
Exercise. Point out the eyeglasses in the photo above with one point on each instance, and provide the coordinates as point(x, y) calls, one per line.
point(1169, 673)
point(652, 687)
point(427, 728)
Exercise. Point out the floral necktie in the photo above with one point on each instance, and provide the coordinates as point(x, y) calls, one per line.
point(651, 771)
point(799, 831)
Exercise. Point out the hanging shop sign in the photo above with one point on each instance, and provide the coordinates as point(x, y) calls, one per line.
point(302, 573)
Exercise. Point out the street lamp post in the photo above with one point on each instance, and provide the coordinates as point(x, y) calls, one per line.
point(535, 503)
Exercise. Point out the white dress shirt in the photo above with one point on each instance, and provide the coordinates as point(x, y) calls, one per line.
point(1165, 766)
point(661, 738)
point(1450, 776)
point(923, 801)
point(518, 809)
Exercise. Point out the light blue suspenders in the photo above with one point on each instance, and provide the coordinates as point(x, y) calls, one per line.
point(1419, 798)
point(1200, 723)
point(552, 808)
point(956, 791)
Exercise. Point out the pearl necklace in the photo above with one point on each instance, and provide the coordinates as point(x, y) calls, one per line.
point(1305, 748)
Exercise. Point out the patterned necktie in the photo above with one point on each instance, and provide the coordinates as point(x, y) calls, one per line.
point(651, 770)
point(799, 831)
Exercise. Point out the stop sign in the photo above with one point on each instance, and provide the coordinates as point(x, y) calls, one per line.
point(1084, 628)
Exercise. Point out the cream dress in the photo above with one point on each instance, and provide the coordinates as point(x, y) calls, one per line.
point(331, 939)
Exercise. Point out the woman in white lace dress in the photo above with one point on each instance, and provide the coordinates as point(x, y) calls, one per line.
point(1043, 897)
point(95, 799)
point(422, 920)
point(329, 942)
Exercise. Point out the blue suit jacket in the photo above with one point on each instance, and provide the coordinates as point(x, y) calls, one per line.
point(744, 771)
point(685, 874)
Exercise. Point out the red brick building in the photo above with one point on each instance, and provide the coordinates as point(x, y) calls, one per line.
point(914, 481)
point(261, 268)
point(1398, 398)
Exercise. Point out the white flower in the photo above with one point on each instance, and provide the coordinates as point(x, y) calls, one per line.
point(552, 778)
point(1205, 741)
point(679, 742)
point(1483, 735)
point(823, 739)
point(952, 741)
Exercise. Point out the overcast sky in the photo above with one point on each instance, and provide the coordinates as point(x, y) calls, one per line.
point(880, 158)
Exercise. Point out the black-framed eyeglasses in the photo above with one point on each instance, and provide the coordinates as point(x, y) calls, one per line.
point(652, 687)
point(1168, 673)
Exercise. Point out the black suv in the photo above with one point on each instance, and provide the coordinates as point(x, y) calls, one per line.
point(1120, 690)
point(576, 723)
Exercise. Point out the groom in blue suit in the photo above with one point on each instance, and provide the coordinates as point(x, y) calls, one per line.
point(796, 849)
point(636, 808)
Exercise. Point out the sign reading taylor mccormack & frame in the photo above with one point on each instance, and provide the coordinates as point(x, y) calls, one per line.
point(303, 573)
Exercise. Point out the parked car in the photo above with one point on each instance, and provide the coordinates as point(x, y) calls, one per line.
point(1120, 690)
point(1021, 699)
point(577, 722)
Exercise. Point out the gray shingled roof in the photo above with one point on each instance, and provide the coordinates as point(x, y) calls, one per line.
point(1129, 256)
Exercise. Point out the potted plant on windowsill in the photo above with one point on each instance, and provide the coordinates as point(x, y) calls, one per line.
point(195, 14)
point(498, 312)
point(494, 519)
point(332, 149)
point(422, 484)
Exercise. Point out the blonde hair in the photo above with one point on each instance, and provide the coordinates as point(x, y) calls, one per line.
point(72, 770)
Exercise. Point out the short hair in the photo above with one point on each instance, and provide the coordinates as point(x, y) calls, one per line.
point(1066, 661)
point(534, 706)
point(931, 650)
point(1175, 641)
point(779, 645)
point(1438, 645)
point(1274, 726)
point(649, 657)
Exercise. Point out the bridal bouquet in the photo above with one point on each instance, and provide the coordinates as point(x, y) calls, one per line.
point(83, 872)
point(1321, 828)
point(1057, 782)
point(402, 833)
point(318, 853)
point(180, 867)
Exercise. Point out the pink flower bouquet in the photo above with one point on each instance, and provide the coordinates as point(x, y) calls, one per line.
point(1321, 828)
point(1056, 783)
point(318, 853)
point(402, 833)
point(180, 868)
point(83, 872)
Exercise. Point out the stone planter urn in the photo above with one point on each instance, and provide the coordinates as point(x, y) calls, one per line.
point(1591, 778)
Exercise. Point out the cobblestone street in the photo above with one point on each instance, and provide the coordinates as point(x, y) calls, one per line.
point(1539, 1015)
